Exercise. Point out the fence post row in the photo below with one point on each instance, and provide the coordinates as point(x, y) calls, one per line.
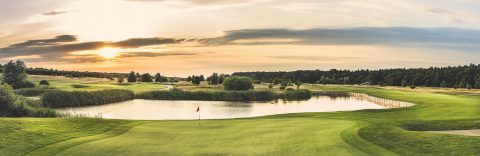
point(379, 101)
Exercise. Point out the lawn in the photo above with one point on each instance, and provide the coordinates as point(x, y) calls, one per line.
point(366, 132)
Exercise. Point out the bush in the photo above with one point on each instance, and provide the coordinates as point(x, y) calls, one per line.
point(23, 84)
point(83, 98)
point(79, 86)
point(32, 91)
point(282, 87)
point(412, 87)
point(44, 82)
point(237, 83)
point(299, 94)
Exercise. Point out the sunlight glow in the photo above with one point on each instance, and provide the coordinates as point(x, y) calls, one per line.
point(108, 53)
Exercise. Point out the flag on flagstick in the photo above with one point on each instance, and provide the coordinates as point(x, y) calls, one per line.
point(198, 110)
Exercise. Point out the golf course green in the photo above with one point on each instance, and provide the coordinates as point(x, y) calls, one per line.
point(366, 132)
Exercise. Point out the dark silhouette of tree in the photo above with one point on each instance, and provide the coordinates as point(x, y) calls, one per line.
point(146, 77)
point(44, 83)
point(132, 77)
point(238, 83)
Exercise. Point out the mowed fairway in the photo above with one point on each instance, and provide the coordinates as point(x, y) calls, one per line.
point(227, 137)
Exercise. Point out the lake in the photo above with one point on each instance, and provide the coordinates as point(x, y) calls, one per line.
point(139, 109)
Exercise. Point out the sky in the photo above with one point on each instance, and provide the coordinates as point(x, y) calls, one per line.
point(185, 37)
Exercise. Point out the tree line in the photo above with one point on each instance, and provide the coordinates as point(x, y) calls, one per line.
point(467, 76)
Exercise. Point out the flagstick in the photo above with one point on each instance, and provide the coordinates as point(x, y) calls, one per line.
point(199, 124)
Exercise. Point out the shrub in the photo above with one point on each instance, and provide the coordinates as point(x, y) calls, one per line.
point(298, 94)
point(79, 86)
point(282, 87)
point(412, 87)
point(23, 84)
point(44, 82)
point(83, 98)
point(237, 83)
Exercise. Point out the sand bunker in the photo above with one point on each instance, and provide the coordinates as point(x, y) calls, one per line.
point(460, 132)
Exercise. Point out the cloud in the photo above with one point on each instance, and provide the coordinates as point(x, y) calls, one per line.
point(63, 45)
point(389, 36)
point(153, 54)
point(42, 42)
point(139, 42)
point(93, 58)
point(53, 13)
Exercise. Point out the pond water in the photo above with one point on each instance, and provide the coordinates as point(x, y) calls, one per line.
point(186, 110)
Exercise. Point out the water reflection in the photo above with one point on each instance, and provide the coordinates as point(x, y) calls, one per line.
point(182, 109)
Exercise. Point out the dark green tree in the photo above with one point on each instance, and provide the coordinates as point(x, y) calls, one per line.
point(44, 83)
point(14, 72)
point(158, 77)
point(237, 83)
point(146, 77)
point(132, 77)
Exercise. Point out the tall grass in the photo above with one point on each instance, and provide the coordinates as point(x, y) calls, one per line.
point(32, 91)
point(83, 98)
point(12, 105)
point(250, 95)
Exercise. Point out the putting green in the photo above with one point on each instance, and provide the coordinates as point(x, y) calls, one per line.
point(227, 137)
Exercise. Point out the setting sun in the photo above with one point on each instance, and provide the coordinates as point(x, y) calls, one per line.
point(108, 53)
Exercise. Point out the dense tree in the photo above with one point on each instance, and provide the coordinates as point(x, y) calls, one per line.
point(158, 77)
point(196, 80)
point(213, 79)
point(14, 72)
point(216, 78)
point(146, 77)
point(238, 83)
point(458, 76)
point(132, 77)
